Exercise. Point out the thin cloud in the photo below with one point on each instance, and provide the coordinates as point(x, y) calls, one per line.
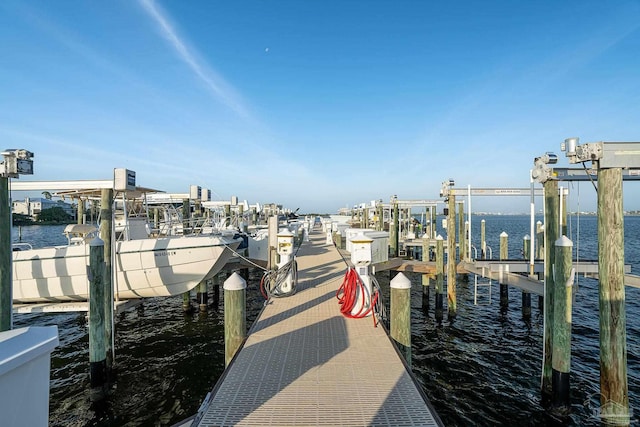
point(214, 82)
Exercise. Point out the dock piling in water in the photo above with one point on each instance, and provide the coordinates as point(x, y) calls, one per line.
point(202, 295)
point(526, 296)
point(614, 388)
point(401, 314)
point(561, 358)
point(97, 333)
point(439, 278)
point(504, 255)
point(6, 286)
point(451, 257)
point(235, 318)
point(106, 234)
point(550, 235)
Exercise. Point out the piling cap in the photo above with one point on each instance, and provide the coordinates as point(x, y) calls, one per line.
point(526, 237)
point(564, 241)
point(96, 242)
point(235, 282)
point(504, 234)
point(361, 238)
point(285, 233)
point(400, 282)
point(439, 237)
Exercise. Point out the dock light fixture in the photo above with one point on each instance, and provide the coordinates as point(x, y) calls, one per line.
point(16, 162)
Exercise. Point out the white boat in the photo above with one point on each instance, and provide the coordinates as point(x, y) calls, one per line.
point(145, 267)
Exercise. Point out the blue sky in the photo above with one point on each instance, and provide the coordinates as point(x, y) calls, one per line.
point(317, 104)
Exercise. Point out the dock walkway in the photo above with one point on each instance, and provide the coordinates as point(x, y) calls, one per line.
point(304, 364)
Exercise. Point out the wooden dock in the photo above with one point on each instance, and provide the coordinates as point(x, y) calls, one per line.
point(304, 364)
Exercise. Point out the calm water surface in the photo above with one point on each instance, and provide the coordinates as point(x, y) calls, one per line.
point(481, 369)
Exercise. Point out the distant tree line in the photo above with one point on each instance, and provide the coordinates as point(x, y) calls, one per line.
point(54, 215)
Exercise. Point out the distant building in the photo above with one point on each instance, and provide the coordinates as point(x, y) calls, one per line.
point(31, 207)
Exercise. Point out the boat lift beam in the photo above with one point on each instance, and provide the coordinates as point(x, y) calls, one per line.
point(449, 190)
point(590, 174)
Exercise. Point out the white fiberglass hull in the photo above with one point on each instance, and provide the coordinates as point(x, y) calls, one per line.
point(144, 268)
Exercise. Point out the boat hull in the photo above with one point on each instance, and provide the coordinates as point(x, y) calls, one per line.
point(144, 268)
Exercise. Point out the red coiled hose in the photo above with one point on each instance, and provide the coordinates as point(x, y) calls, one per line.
point(347, 295)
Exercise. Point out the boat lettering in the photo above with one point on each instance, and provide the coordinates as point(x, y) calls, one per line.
point(165, 253)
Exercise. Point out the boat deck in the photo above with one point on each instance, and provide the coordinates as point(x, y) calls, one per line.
point(304, 364)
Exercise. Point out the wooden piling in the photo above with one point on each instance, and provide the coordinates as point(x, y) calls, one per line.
point(235, 318)
point(400, 306)
point(186, 302)
point(80, 214)
point(462, 241)
point(106, 235)
point(561, 357)
point(394, 231)
point(227, 215)
point(439, 277)
point(483, 240)
point(202, 295)
point(186, 216)
point(97, 334)
point(614, 392)
point(380, 214)
point(550, 235)
point(504, 255)
point(6, 284)
point(425, 277)
point(526, 296)
point(539, 240)
point(216, 291)
point(451, 257)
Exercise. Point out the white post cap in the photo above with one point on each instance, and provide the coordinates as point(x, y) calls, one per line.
point(235, 282)
point(400, 282)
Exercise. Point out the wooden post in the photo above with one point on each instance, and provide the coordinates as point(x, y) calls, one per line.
point(366, 218)
point(483, 241)
point(80, 219)
point(156, 218)
point(202, 295)
point(254, 216)
point(97, 334)
point(241, 222)
point(235, 318)
point(451, 257)
point(273, 242)
point(462, 241)
point(551, 235)
point(227, 215)
point(504, 255)
point(426, 281)
point(526, 296)
point(394, 231)
point(380, 210)
point(539, 240)
point(106, 235)
point(186, 302)
point(186, 215)
point(561, 357)
point(216, 291)
point(6, 284)
point(614, 391)
point(439, 277)
point(400, 305)
point(434, 220)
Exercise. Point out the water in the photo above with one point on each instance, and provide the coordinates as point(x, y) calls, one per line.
point(481, 369)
